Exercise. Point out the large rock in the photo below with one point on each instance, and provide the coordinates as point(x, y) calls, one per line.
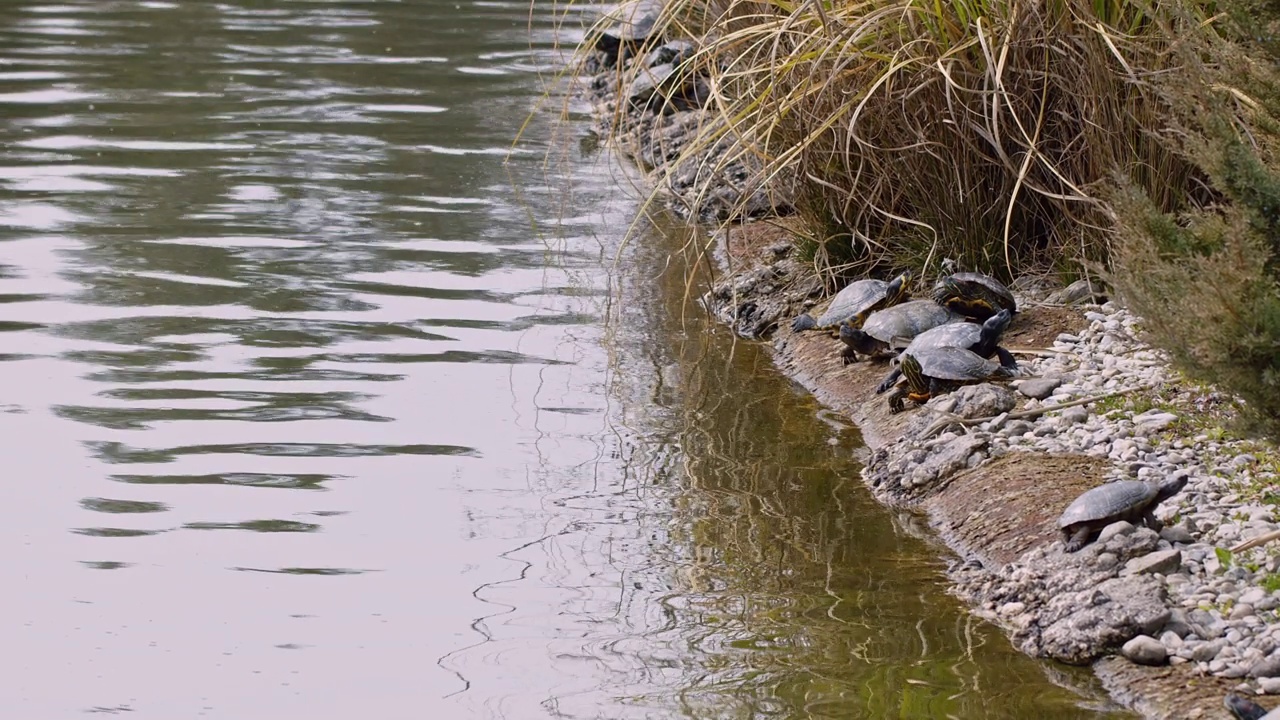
point(978, 401)
point(912, 468)
point(1144, 650)
point(1075, 608)
point(1091, 622)
point(1161, 561)
point(1039, 388)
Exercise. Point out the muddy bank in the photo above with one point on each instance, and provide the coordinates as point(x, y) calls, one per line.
point(1167, 621)
point(992, 514)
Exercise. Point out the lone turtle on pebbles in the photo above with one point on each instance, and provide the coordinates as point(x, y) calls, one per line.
point(1244, 709)
point(1134, 500)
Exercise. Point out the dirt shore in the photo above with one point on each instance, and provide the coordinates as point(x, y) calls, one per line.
point(992, 513)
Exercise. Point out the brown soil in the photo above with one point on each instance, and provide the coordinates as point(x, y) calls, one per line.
point(1005, 507)
point(999, 510)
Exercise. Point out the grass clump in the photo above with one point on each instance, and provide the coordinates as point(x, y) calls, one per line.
point(907, 131)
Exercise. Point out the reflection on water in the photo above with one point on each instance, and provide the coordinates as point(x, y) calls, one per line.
point(300, 355)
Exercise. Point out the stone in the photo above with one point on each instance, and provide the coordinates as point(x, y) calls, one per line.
point(983, 400)
point(1119, 527)
point(1266, 668)
point(1144, 650)
point(1039, 388)
point(1154, 420)
point(1160, 561)
point(1078, 292)
point(1178, 623)
point(1075, 415)
point(1080, 627)
point(1177, 534)
point(1206, 652)
point(1269, 685)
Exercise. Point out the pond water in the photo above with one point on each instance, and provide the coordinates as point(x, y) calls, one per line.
point(322, 399)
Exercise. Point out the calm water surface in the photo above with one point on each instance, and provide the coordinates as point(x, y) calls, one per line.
point(319, 401)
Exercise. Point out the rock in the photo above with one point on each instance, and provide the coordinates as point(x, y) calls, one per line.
point(1144, 650)
point(1154, 420)
point(1160, 561)
point(916, 471)
point(1082, 626)
point(984, 400)
point(1078, 292)
point(1269, 685)
point(1252, 596)
point(1178, 624)
point(1206, 652)
point(1075, 415)
point(1119, 527)
point(1039, 388)
point(1177, 534)
point(1266, 668)
point(644, 89)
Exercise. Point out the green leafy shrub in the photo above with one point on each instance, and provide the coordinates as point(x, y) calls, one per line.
point(1206, 279)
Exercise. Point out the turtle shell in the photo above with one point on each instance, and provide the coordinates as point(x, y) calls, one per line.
point(957, 364)
point(960, 334)
point(974, 290)
point(1113, 501)
point(904, 322)
point(633, 22)
point(852, 301)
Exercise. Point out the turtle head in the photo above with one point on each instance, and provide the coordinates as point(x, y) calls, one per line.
point(896, 292)
point(914, 374)
point(1171, 487)
point(995, 326)
point(856, 339)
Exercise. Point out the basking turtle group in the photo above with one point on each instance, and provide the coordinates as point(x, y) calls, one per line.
point(948, 337)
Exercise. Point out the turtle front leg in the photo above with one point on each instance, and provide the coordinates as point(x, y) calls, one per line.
point(1150, 520)
point(896, 404)
point(1006, 358)
point(889, 381)
point(849, 355)
point(1077, 539)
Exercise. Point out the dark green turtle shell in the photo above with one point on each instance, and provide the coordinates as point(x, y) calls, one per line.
point(1113, 501)
point(904, 322)
point(974, 295)
point(958, 364)
point(853, 303)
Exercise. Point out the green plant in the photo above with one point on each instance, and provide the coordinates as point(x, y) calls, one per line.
point(1224, 557)
point(1271, 582)
point(1206, 278)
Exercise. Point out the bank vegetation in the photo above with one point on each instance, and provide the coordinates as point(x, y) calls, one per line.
point(1132, 140)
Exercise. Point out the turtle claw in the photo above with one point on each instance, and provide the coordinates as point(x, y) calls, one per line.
point(803, 322)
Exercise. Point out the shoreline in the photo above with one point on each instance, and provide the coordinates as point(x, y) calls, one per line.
point(994, 488)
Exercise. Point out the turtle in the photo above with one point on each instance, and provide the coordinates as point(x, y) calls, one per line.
point(974, 295)
point(1120, 500)
point(892, 327)
point(1245, 709)
point(628, 30)
point(933, 371)
point(981, 339)
point(854, 303)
